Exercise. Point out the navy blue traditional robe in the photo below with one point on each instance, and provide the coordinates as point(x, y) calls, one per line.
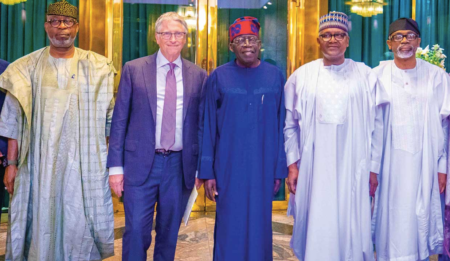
point(243, 149)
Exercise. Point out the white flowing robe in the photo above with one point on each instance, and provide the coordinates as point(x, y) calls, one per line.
point(334, 130)
point(407, 220)
point(60, 112)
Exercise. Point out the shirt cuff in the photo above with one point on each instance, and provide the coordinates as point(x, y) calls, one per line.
point(292, 157)
point(375, 167)
point(115, 171)
point(442, 165)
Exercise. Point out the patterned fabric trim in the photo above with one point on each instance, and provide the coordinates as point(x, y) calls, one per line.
point(63, 8)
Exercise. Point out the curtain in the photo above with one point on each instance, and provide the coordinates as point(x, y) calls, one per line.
point(433, 19)
point(273, 32)
point(22, 28)
point(139, 30)
point(368, 35)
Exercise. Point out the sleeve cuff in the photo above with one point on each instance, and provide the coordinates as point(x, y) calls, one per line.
point(375, 167)
point(206, 170)
point(292, 157)
point(108, 131)
point(282, 172)
point(442, 165)
point(205, 175)
point(115, 171)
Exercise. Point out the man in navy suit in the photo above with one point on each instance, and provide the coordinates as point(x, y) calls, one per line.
point(154, 143)
point(3, 141)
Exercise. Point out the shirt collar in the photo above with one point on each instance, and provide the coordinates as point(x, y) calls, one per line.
point(162, 61)
point(411, 71)
point(339, 67)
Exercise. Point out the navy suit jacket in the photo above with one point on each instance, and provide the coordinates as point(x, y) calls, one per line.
point(132, 138)
point(3, 141)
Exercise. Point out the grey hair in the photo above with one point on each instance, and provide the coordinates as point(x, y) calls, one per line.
point(170, 16)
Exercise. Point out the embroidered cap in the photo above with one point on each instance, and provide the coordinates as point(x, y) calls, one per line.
point(334, 20)
point(244, 25)
point(63, 8)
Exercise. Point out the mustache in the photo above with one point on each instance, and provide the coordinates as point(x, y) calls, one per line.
point(62, 43)
point(403, 46)
point(405, 51)
point(62, 34)
point(333, 45)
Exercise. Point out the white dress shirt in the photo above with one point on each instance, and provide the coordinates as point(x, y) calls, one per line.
point(162, 68)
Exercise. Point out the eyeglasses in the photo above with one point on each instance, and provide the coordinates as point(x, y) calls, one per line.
point(327, 36)
point(168, 35)
point(409, 37)
point(242, 40)
point(67, 22)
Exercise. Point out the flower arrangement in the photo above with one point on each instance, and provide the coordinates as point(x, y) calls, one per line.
point(434, 56)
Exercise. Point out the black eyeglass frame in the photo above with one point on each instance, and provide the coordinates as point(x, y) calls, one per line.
point(343, 35)
point(52, 22)
point(416, 36)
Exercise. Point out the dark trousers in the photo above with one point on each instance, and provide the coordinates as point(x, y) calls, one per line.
point(165, 186)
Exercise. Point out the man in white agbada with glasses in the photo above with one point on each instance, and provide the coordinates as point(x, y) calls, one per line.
point(57, 114)
point(333, 142)
point(408, 217)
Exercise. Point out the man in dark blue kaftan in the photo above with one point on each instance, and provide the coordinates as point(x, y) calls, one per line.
point(243, 158)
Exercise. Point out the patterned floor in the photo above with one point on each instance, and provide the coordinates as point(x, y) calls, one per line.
point(195, 241)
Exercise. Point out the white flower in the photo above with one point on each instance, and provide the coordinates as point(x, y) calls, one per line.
point(442, 63)
point(425, 51)
point(419, 50)
point(443, 56)
point(436, 47)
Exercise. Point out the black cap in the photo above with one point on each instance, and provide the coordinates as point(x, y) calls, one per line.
point(404, 24)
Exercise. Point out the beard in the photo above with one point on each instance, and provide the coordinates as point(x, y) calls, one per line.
point(62, 43)
point(405, 54)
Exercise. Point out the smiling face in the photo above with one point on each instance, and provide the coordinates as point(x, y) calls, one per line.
point(405, 48)
point(333, 50)
point(173, 46)
point(61, 36)
point(246, 51)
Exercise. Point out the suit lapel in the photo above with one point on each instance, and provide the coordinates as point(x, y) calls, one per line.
point(149, 71)
point(187, 88)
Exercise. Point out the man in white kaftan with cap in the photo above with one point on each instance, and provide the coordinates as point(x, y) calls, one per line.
point(57, 114)
point(408, 224)
point(333, 142)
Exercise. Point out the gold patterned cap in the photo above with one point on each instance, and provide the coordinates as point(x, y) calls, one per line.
point(63, 8)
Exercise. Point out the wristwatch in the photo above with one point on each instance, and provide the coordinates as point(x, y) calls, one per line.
point(7, 162)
